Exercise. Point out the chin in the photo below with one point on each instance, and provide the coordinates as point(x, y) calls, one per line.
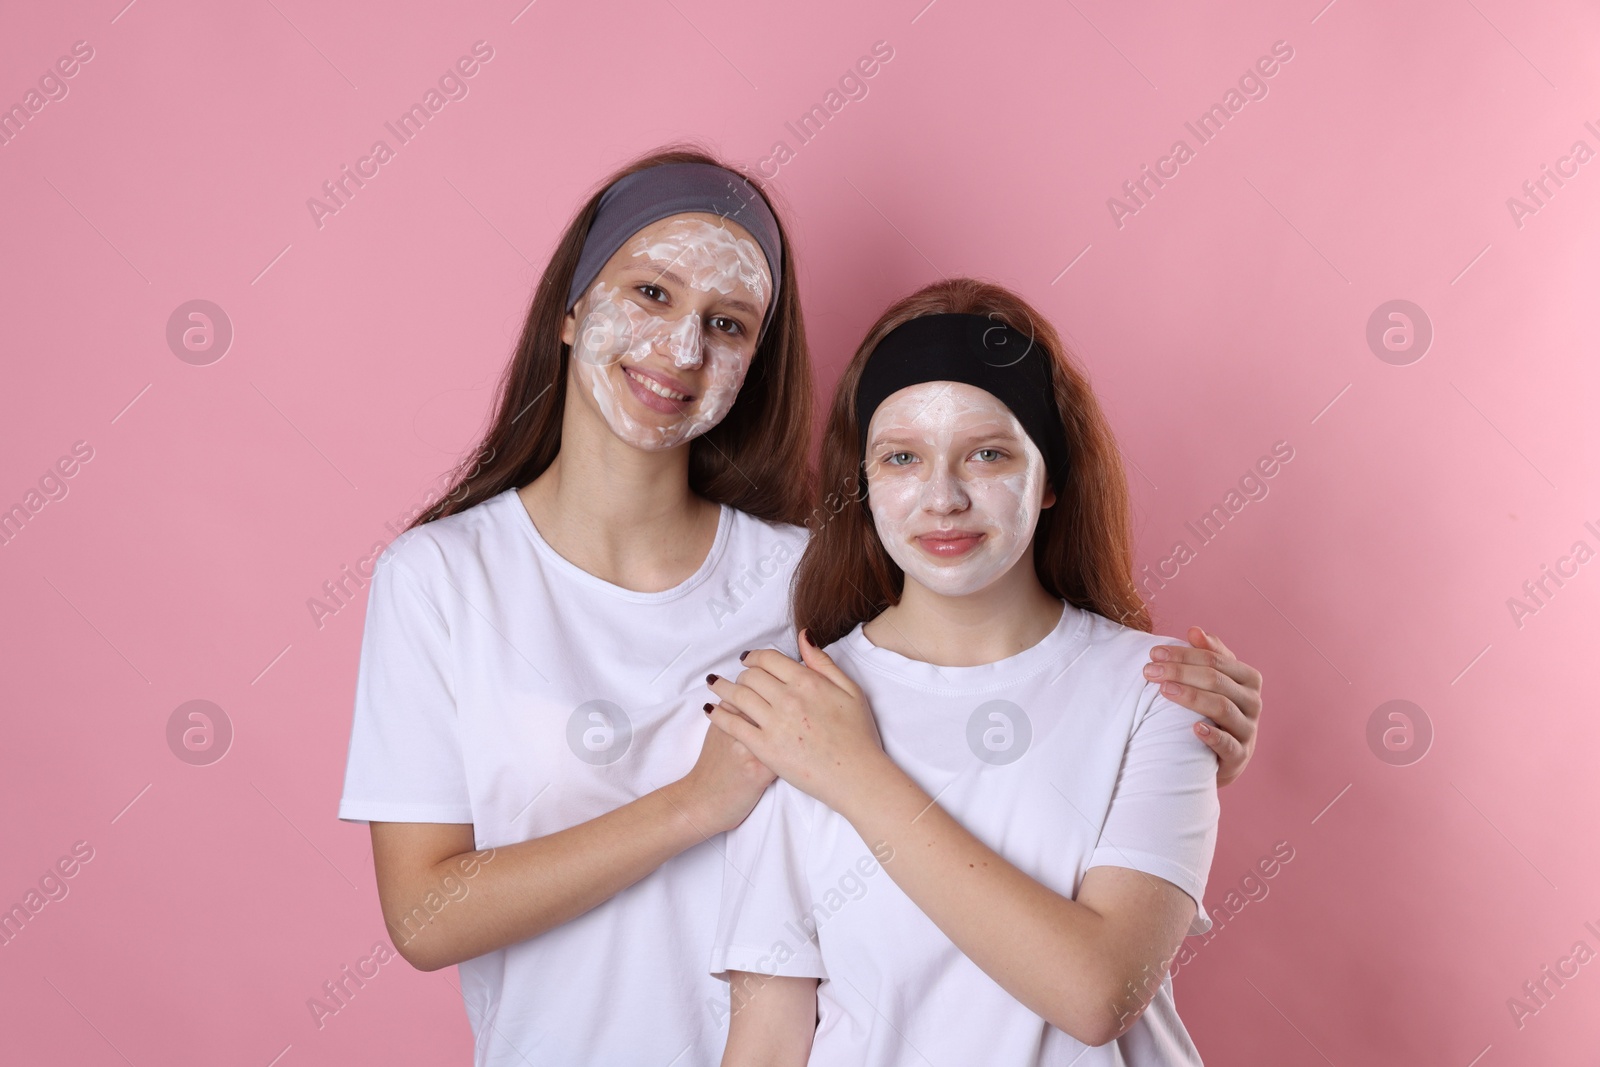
point(943, 583)
point(655, 436)
point(969, 588)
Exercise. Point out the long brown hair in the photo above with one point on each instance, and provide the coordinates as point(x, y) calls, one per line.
point(755, 459)
point(1083, 545)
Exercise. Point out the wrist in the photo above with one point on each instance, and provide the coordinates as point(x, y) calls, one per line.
point(688, 809)
point(868, 781)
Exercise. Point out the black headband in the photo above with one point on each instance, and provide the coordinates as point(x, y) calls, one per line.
point(974, 350)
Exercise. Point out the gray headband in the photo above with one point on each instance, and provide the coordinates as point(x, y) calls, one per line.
point(652, 194)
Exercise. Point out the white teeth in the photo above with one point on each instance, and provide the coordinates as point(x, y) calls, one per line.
point(656, 387)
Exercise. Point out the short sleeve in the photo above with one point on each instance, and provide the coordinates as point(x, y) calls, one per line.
point(405, 762)
point(1164, 811)
point(765, 924)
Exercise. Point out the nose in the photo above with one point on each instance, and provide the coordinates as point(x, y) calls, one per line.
point(684, 342)
point(945, 493)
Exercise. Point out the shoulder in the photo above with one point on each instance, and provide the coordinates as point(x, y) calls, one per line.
point(1116, 643)
point(430, 552)
point(1119, 654)
point(776, 537)
point(846, 648)
point(799, 809)
point(762, 549)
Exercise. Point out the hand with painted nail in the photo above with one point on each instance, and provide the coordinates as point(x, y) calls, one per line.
point(724, 784)
point(807, 721)
point(1211, 680)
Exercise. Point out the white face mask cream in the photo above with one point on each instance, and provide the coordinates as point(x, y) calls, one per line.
point(661, 381)
point(955, 485)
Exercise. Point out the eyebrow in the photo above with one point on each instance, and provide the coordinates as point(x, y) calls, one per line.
point(897, 435)
point(664, 271)
point(659, 269)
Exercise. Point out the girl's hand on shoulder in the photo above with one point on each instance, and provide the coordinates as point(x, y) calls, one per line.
point(1211, 680)
point(807, 721)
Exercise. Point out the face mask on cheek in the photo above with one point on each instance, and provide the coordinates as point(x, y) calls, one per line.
point(982, 522)
point(615, 330)
point(723, 378)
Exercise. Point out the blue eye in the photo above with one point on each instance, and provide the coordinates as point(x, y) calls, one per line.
point(994, 455)
point(899, 459)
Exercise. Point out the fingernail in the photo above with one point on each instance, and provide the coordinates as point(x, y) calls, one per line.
point(1160, 652)
point(711, 679)
point(743, 654)
point(708, 709)
point(1151, 670)
point(1205, 729)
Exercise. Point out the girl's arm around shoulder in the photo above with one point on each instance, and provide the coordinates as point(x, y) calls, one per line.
point(1208, 678)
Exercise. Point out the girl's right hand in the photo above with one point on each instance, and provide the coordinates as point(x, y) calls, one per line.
point(724, 784)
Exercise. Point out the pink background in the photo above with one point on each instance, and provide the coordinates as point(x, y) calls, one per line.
point(1228, 314)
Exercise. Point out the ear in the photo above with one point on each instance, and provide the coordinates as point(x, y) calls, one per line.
point(1049, 497)
point(569, 329)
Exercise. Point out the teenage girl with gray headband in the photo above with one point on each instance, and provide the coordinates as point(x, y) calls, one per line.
point(547, 802)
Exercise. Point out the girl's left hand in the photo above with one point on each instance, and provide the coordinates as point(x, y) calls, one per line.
point(806, 721)
point(1213, 681)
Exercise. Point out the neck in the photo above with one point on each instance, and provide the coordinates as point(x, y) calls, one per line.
point(621, 513)
point(1008, 616)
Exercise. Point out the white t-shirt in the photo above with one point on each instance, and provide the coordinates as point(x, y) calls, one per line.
point(503, 686)
point(1060, 758)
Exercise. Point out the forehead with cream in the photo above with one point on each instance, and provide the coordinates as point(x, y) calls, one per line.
point(710, 257)
point(934, 412)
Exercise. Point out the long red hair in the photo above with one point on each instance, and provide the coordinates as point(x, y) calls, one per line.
point(755, 459)
point(1083, 545)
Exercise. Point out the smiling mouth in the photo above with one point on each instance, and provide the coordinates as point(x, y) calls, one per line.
point(654, 386)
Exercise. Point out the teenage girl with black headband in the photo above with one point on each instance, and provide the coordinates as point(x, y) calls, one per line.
point(992, 834)
point(547, 804)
